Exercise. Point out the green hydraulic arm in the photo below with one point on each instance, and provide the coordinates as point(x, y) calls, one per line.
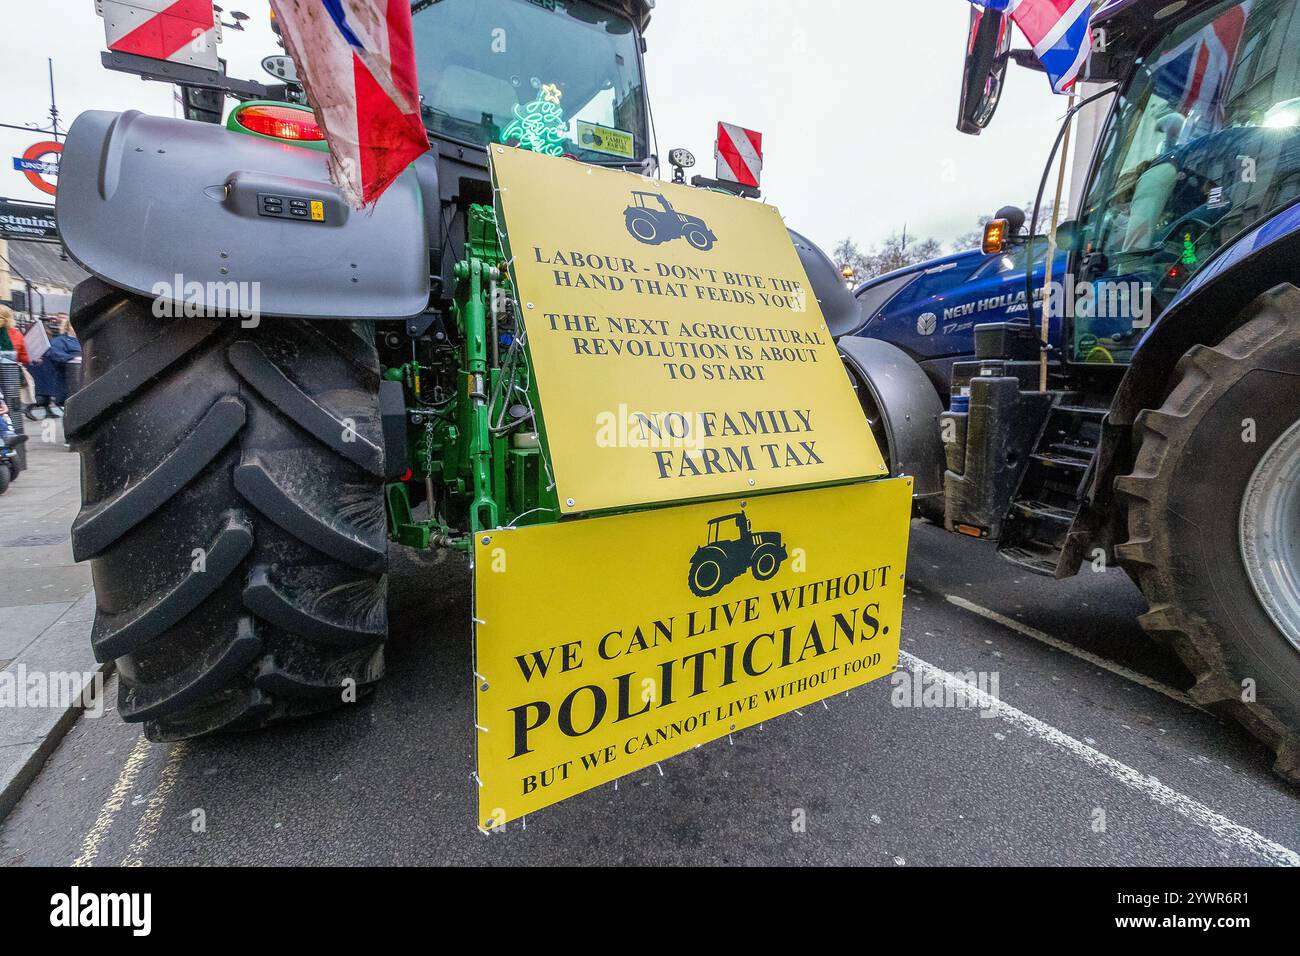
point(478, 455)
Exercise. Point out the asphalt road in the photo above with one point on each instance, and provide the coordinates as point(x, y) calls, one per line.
point(1086, 752)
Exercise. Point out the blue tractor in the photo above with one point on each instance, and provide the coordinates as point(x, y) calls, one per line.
point(930, 310)
point(1157, 425)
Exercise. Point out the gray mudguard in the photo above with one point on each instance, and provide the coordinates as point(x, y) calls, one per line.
point(909, 406)
point(178, 211)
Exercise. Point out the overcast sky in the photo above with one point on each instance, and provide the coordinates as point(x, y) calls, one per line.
point(856, 100)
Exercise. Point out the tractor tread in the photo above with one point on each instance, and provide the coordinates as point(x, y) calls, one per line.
point(345, 615)
point(115, 635)
point(101, 394)
point(207, 436)
point(272, 384)
point(95, 302)
point(230, 709)
point(352, 341)
point(98, 526)
point(281, 675)
point(265, 489)
point(195, 682)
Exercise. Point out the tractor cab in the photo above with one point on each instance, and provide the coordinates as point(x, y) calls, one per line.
point(559, 77)
point(564, 77)
point(654, 202)
point(729, 528)
point(1203, 143)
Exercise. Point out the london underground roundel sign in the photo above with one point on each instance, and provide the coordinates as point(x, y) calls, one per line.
point(40, 164)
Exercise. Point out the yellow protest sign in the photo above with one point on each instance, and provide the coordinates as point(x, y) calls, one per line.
point(605, 645)
point(678, 350)
point(602, 139)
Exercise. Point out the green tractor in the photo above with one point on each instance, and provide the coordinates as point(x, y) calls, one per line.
point(270, 399)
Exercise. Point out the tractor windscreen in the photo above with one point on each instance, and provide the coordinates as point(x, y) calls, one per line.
point(555, 76)
point(1203, 143)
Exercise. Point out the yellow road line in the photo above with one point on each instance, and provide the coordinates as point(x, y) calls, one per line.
point(148, 827)
point(113, 805)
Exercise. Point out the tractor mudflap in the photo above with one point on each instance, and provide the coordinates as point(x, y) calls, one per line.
point(595, 657)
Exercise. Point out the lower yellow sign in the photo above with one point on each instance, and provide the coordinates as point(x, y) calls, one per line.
point(609, 644)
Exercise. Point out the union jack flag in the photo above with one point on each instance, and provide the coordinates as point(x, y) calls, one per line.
point(1060, 31)
point(356, 59)
point(1193, 77)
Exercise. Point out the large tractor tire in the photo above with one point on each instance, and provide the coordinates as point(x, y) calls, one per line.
point(1213, 502)
point(232, 511)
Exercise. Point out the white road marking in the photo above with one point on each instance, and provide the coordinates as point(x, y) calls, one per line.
point(113, 805)
point(1044, 638)
point(1227, 830)
point(148, 827)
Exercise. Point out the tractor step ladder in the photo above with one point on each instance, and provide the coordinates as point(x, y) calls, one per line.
point(1047, 500)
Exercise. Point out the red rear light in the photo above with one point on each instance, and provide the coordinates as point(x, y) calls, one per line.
point(281, 122)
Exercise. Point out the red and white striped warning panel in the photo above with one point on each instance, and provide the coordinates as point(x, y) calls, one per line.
point(740, 155)
point(178, 31)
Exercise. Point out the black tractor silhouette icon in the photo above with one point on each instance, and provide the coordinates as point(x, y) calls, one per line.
point(652, 219)
point(732, 550)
